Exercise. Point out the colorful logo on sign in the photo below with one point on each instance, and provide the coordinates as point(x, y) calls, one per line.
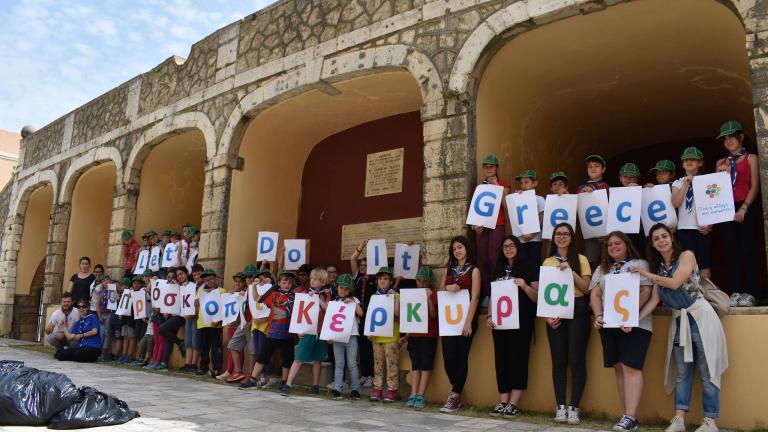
point(712, 190)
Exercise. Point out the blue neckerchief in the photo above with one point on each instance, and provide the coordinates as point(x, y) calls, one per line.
point(688, 196)
point(378, 292)
point(458, 271)
point(732, 157)
point(667, 271)
point(559, 258)
point(616, 266)
point(507, 269)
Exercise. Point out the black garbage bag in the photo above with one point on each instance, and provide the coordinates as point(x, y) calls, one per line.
point(93, 408)
point(30, 397)
point(7, 366)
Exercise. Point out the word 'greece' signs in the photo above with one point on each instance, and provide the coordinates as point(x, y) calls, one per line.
point(624, 209)
point(713, 197)
point(485, 205)
point(295, 254)
point(622, 300)
point(452, 308)
point(593, 207)
point(406, 260)
point(338, 323)
point(414, 310)
point(657, 208)
point(380, 317)
point(376, 253)
point(504, 307)
point(267, 247)
point(558, 209)
point(556, 293)
point(523, 212)
point(306, 312)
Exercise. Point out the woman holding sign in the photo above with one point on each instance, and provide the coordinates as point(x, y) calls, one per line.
point(462, 275)
point(624, 348)
point(568, 337)
point(698, 340)
point(511, 347)
point(740, 235)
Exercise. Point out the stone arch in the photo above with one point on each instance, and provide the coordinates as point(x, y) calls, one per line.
point(327, 70)
point(81, 164)
point(31, 183)
point(173, 125)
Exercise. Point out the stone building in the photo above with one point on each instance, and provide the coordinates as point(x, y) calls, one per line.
point(268, 122)
point(9, 155)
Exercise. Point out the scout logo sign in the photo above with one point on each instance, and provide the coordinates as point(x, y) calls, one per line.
point(414, 311)
point(339, 319)
point(557, 209)
point(306, 311)
point(504, 306)
point(713, 197)
point(452, 309)
point(380, 317)
point(556, 293)
point(621, 307)
point(485, 205)
point(593, 207)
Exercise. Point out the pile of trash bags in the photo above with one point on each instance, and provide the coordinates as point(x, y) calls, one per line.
point(32, 397)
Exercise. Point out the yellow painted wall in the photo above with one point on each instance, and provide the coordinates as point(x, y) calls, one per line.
point(171, 185)
point(744, 386)
point(34, 237)
point(90, 218)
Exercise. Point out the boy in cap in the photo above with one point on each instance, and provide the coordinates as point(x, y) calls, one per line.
point(664, 171)
point(130, 252)
point(143, 331)
point(423, 346)
point(345, 354)
point(595, 171)
point(127, 330)
point(386, 350)
point(210, 334)
point(629, 175)
point(528, 180)
point(558, 183)
point(690, 234)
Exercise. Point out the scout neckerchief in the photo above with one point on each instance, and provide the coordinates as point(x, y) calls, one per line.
point(458, 271)
point(688, 196)
point(595, 183)
point(617, 265)
point(559, 258)
point(667, 271)
point(389, 290)
point(732, 158)
point(508, 270)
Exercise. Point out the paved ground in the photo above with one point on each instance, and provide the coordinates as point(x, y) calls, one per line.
point(178, 403)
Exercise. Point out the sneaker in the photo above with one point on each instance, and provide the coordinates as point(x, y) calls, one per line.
point(248, 384)
point(335, 394)
point(273, 382)
point(511, 411)
point(331, 385)
point(150, 365)
point(676, 425)
point(625, 424)
point(451, 405)
point(419, 403)
point(746, 300)
point(708, 424)
point(315, 390)
point(561, 414)
point(375, 395)
point(410, 401)
point(390, 396)
point(160, 366)
point(223, 376)
point(201, 373)
point(354, 395)
point(573, 416)
point(367, 381)
point(285, 389)
point(735, 297)
point(499, 409)
point(236, 377)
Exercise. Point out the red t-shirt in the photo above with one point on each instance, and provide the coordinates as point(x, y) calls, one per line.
point(432, 322)
point(502, 220)
point(130, 253)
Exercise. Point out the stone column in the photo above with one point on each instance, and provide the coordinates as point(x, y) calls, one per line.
point(213, 239)
point(756, 49)
point(8, 255)
point(123, 217)
point(57, 249)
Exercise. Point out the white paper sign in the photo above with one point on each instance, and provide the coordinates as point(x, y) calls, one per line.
point(414, 310)
point(593, 209)
point(485, 206)
point(657, 208)
point(142, 260)
point(622, 300)
point(376, 255)
point(338, 323)
point(187, 295)
point(452, 310)
point(171, 255)
point(295, 253)
point(558, 209)
point(154, 258)
point(192, 260)
point(556, 293)
point(112, 299)
point(624, 208)
point(157, 291)
point(406, 260)
point(306, 312)
point(380, 316)
point(504, 305)
point(523, 211)
point(169, 299)
point(267, 246)
point(210, 306)
point(258, 310)
point(139, 303)
point(713, 197)
point(124, 307)
point(231, 307)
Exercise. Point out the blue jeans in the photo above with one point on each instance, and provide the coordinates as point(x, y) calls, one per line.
point(104, 330)
point(348, 351)
point(711, 396)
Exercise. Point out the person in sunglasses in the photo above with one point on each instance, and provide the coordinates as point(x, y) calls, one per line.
point(85, 332)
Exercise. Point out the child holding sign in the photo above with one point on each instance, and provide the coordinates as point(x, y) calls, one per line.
point(191, 337)
point(512, 347)
point(740, 234)
point(629, 175)
point(234, 362)
point(664, 172)
point(423, 346)
point(531, 243)
point(345, 354)
point(365, 286)
point(130, 252)
point(692, 237)
point(127, 330)
point(210, 334)
point(170, 328)
point(568, 337)
point(386, 349)
point(462, 274)
point(624, 349)
point(595, 171)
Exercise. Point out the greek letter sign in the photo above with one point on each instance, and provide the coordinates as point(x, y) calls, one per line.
point(380, 317)
point(504, 307)
point(210, 306)
point(622, 300)
point(339, 319)
point(556, 293)
point(414, 311)
point(306, 311)
point(452, 309)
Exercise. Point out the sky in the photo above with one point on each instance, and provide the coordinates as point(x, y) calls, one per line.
point(56, 55)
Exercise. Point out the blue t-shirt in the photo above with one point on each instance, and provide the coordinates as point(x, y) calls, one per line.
point(84, 325)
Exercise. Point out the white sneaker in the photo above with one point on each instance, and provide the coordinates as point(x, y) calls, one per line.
point(561, 415)
point(746, 300)
point(708, 424)
point(676, 425)
point(573, 416)
point(273, 382)
point(367, 381)
point(735, 297)
point(331, 385)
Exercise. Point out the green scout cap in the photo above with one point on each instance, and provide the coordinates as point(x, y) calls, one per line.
point(176, 234)
point(387, 270)
point(192, 230)
point(150, 233)
point(126, 235)
point(595, 158)
point(167, 233)
point(288, 273)
point(240, 275)
point(531, 174)
point(664, 165)
point(138, 278)
point(629, 168)
point(208, 272)
point(345, 280)
point(263, 270)
point(558, 175)
point(102, 277)
point(729, 128)
point(186, 225)
point(491, 160)
point(148, 272)
point(692, 153)
point(125, 281)
point(424, 273)
point(250, 270)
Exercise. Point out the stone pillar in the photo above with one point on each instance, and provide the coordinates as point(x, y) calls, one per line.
point(756, 49)
point(8, 255)
point(213, 239)
point(58, 229)
point(123, 217)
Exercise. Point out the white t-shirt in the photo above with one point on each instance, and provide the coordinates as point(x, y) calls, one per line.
point(540, 203)
point(58, 317)
point(95, 290)
point(184, 252)
point(686, 218)
point(599, 278)
point(356, 320)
